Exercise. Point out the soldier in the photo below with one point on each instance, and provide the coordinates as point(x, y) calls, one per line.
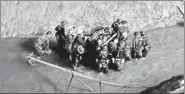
point(116, 25)
point(108, 30)
point(104, 38)
point(136, 46)
point(42, 44)
point(145, 43)
point(60, 34)
point(81, 38)
point(118, 59)
point(102, 59)
point(144, 39)
point(119, 28)
point(124, 31)
point(113, 46)
point(112, 50)
point(77, 46)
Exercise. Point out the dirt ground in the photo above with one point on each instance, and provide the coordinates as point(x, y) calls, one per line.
point(26, 18)
point(166, 59)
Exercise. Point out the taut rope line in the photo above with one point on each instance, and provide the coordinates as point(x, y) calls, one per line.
point(87, 77)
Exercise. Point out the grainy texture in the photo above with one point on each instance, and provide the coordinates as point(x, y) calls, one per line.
point(166, 59)
point(26, 18)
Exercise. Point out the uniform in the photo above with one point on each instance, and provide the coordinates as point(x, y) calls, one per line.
point(145, 44)
point(78, 48)
point(102, 59)
point(98, 45)
point(42, 45)
point(60, 34)
point(113, 47)
point(121, 30)
point(116, 25)
point(136, 46)
point(109, 31)
point(118, 57)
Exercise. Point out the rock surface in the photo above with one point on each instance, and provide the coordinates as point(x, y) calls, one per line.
point(26, 18)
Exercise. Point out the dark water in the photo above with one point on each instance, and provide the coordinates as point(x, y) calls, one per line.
point(163, 61)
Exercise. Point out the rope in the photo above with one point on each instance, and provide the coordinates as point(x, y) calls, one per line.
point(100, 85)
point(87, 77)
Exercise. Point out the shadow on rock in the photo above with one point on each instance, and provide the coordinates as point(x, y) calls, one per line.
point(28, 45)
point(89, 57)
point(173, 85)
point(59, 50)
point(180, 24)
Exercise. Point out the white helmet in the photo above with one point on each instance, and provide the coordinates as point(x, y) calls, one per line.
point(80, 30)
point(116, 40)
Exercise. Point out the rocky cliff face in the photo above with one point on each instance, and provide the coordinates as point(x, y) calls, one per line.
point(26, 18)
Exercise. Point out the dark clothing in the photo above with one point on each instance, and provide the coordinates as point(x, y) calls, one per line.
point(60, 30)
point(60, 35)
point(120, 54)
point(115, 26)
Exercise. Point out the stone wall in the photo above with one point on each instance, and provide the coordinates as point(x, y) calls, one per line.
point(26, 18)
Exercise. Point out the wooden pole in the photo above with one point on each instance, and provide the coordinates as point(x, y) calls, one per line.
point(180, 11)
point(109, 39)
point(69, 83)
point(100, 86)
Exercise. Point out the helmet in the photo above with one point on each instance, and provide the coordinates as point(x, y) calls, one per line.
point(80, 30)
point(118, 20)
point(80, 49)
point(136, 33)
point(48, 33)
point(142, 33)
point(64, 22)
point(116, 40)
point(124, 22)
point(104, 48)
point(107, 28)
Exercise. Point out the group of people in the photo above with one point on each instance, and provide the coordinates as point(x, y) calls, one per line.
point(108, 46)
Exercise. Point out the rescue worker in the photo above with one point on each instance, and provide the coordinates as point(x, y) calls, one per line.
point(60, 34)
point(78, 48)
point(42, 44)
point(77, 56)
point(136, 46)
point(145, 43)
point(102, 59)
